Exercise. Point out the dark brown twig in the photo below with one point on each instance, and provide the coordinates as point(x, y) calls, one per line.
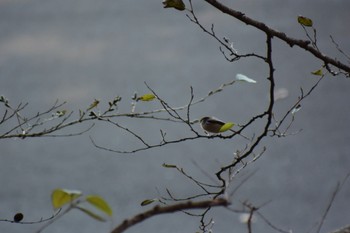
point(157, 210)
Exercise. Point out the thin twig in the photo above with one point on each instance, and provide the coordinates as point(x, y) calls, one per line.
point(331, 201)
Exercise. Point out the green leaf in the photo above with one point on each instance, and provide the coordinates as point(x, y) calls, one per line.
point(226, 126)
point(242, 77)
point(91, 214)
point(305, 21)
point(317, 72)
point(169, 165)
point(177, 4)
point(148, 201)
point(146, 97)
point(100, 204)
point(60, 197)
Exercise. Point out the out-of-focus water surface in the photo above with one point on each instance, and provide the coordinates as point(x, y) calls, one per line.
point(77, 51)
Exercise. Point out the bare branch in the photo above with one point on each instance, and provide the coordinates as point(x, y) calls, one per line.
point(331, 201)
point(347, 56)
point(301, 97)
point(268, 113)
point(345, 229)
point(224, 43)
point(282, 36)
point(36, 221)
point(157, 210)
point(270, 224)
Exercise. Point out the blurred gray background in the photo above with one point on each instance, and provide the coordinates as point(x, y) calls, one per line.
point(79, 50)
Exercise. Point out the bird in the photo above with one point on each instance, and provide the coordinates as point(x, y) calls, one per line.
point(212, 125)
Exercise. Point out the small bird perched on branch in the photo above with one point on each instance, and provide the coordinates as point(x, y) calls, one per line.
point(214, 126)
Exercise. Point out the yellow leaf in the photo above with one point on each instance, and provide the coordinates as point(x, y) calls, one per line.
point(146, 97)
point(60, 197)
point(91, 214)
point(307, 22)
point(226, 126)
point(177, 4)
point(93, 104)
point(100, 204)
point(317, 72)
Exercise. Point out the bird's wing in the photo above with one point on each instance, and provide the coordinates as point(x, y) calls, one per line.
point(216, 121)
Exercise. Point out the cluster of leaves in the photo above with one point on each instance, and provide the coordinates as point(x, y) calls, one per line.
point(65, 200)
point(74, 199)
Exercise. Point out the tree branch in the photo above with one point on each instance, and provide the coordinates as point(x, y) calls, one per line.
point(345, 229)
point(157, 210)
point(305, 44)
